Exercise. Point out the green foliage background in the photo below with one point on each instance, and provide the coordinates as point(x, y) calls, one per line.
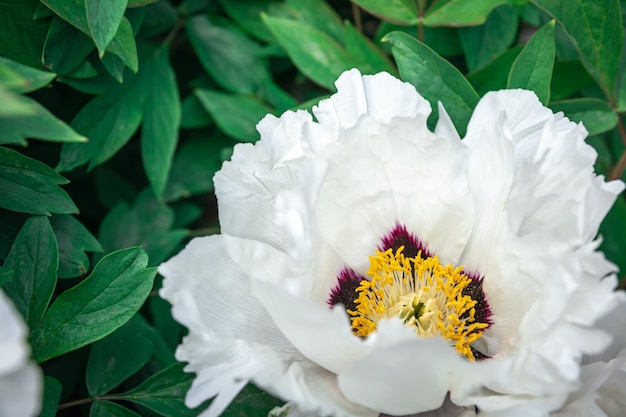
point(115, 114)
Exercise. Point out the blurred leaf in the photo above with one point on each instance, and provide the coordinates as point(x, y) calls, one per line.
point(123, 45)
point(33, 258)
point(51, 396)
point(186, 212)
point(30, 79)
point(194, 114)
point(596, 115)
point(595, 27)
point(169, 329)
point(532, 70)
point(112, 188)
point(100, 408)
point(400, 12)
point(74, 240)
point(568, 78)
point(140, 3)
point(461, 12)
point(251, 401)
point(482, 44)
point(104, 18)
point(316, 13)
point(613, 237)
point(164, 392)
point(236, 116)
point(248, 14)
point(367, 56)
point(118, 356)
point(148, 223)
point(66, 47)
point(29, 186)
point(21, 37)
point(313, 52)
point(93, 309)
point(115, 66)
point(161, 113)
point(159, 17)
point(445, 41)
point(434, 78)
point(194, 165)
point(227, 54)
point(494, 75)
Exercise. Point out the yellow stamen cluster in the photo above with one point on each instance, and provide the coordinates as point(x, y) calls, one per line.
point(426, 295)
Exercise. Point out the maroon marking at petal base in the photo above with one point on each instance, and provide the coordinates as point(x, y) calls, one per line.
point(345, 290)
point(399, 236)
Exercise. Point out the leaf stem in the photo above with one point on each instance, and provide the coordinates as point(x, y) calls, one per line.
point(172, 34)
point(356, 14)
point(89, 400)
point(619, 169)
point(420, 23)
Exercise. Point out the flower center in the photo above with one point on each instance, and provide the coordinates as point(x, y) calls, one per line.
point(427, 296)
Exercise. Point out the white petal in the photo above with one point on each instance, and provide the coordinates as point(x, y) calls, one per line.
point(380, 96)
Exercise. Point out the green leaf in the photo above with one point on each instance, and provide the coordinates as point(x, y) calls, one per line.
point(494, 75)
point(434, 78)
point(247, 13)
point(30, 79)
point(104, 18)
point(532, 70)
point(481, 44)
point(194, 165)
point(66, 47)
point(34, 258)
point(96, 307)
point(568, 77)
point(367, 56)
point(164, 392)
point(316, 13)
point(313, 52)
point(251, 401)
point(39, 123)
point(595, 28)
point(74, 240)
point(193, 113)
point(123, 45)
point(118, 356)
point(140, 3)
point(596, 115)
point(237, 116)
point(161, 119)
point(100, 408)
point(148, 223)
point(51, 396)
point(613, 238)
point(168, 329)
point(399, 12)
point(21, 37)
point(29, 186)
point(461, 12)
point(231, 58)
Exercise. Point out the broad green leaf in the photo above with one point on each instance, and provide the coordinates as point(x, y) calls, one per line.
point(460, 12)
point(236, 116)
point(66, 47)
point(148, 222)
point(101, 408)
point(613, 237)
point(29, 186)
point(568, 78)
point(96, 307)
point(367, 56)
point(21, 37)
point(159, 18)
point(164, 392)
point(104, 18)
point(123, 45)
point(118, 356)
point(313, 52)
point(316, 13)
point(595, 27)
point(194, 165)
point(194, 114)
point(248, 14)
point(596, 115)
point(12, 105)
point(115, 66)
point(399, 12)
point(74, 240)
point(482, 44)
point(31, 79)
point(51, 396)
point(34, 258)
point(434, 78)
point(161, 120)
point(39, 123)
point(231, 58)
point(251, 401)
point(494, 75)
point(532, 70)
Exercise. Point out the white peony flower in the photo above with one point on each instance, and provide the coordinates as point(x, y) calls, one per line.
point(368, 265)
point(20, 378)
